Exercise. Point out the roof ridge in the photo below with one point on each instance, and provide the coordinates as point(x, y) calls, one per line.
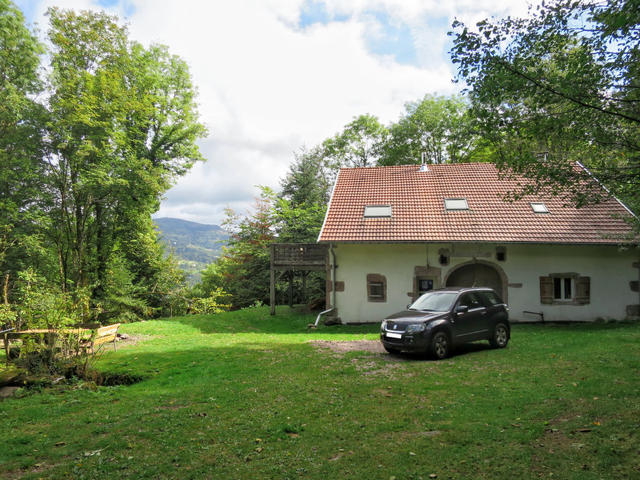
point(407, 165)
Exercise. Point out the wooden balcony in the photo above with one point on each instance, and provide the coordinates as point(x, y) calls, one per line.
point(299, 256)
point(292, 258)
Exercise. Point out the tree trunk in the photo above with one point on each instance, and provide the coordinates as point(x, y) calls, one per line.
point(101, 253)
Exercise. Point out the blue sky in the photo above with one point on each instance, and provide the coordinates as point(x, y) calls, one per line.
point(392, 37)
point(29, 8)
point(277, 75)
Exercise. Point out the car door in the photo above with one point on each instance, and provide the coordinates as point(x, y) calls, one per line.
point(496, 308)
point(472, 324)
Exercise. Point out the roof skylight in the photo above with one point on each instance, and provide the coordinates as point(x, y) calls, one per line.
point(539, 207)
point(377, 211)
point(456, 204)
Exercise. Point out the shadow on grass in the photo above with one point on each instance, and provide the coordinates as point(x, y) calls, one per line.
point(575, 326)
point(459, 351)
point(289, 321)
point(470, 348)
point(258, 320)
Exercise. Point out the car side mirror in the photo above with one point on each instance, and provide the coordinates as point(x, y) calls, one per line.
point(461, 309)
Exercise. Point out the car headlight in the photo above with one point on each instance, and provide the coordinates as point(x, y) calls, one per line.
point(415, 328)
point(383, 325)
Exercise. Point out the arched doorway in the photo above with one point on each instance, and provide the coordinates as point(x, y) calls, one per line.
point(478, 274)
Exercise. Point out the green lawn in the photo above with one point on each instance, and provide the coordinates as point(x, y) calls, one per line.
point(244, 395)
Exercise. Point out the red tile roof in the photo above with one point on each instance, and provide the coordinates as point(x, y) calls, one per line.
point(419, 215)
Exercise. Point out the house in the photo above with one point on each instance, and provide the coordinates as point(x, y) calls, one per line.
point(397, 232)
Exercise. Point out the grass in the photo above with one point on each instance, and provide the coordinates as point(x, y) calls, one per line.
point(244, 395)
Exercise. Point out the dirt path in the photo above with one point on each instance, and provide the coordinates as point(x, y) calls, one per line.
point(126, 339)
point(371, 346)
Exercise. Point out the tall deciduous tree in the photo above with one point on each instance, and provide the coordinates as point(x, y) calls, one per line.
point(21, 146)
point(560, 86)
point(357, 145)
point(437, 126)
point(123, 126)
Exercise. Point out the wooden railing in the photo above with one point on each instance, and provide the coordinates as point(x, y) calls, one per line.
point(303, 256)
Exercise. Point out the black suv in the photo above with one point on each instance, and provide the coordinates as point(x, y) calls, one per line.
point(441, 319)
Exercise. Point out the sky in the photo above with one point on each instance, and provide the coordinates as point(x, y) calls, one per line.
point(275, 76)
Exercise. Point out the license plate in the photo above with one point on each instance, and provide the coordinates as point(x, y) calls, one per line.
point(394, 335)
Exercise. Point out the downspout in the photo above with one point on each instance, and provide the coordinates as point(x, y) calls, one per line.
point(333, 269)
point(331, 307)
point(333, 280)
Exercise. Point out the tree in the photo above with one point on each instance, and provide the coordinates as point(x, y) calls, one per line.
point(437, 126)
point(309, 179)
point(123, 126)
point(357, 145)
point(294, 215)
point(301, 204)
point(242, 271)
point(560, 86)
point(21, 147)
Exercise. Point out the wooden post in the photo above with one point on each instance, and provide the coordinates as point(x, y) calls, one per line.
point(272, 282)
point(291, 289)
point(6, 347)
point(304, 286)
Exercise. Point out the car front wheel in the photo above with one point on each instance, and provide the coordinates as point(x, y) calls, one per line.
point(440, 346)
point(500, 336)
point(390, 349)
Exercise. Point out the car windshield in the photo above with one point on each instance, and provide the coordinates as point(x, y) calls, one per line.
point(435, 301)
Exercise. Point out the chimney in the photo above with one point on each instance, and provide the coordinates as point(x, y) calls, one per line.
point(423, 165)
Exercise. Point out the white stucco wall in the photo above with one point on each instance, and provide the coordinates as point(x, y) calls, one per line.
point(610, 269)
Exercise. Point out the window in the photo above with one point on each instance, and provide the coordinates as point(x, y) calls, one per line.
point(444, 256)
point(424, 285)
point(490, 299)
point(376, 288)
point(565, 289)
point(562, 288)
point(539, 208)
point(470, 300)
point(435, 301)
point(377, 211)
point(456, 204)
point(501, 254)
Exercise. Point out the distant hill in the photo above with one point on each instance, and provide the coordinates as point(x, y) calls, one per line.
point(194, 244)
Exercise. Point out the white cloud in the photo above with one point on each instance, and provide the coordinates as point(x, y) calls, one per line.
point(267, 87)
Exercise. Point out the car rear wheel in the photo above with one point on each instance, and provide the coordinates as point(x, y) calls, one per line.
point(500, 336)
point(440, 346)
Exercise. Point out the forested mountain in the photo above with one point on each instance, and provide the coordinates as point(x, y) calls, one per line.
point(195, 245)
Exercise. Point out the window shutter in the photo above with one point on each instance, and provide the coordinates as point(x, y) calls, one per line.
point(546, 290)
point(583, 290)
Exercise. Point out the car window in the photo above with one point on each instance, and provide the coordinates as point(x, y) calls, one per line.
point(470, 300)
point(490, 298)
point(434, 301)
